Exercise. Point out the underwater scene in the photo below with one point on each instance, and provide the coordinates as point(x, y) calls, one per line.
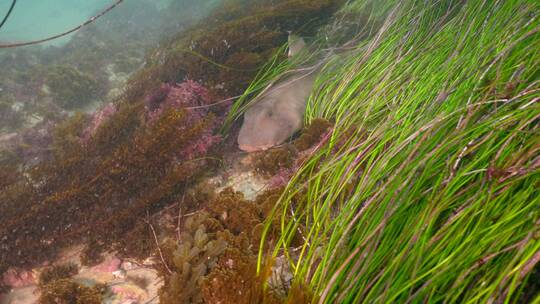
point(269, 151)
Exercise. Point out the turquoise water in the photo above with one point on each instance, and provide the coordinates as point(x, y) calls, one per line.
point(37, 19)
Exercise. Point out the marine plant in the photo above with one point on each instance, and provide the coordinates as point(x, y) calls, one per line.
point(28, 146)
point(57, 286)
point(71, 88)
point(98, 118)
point(190, 261)
point(433, 195)
point(105, 52)
point(128, 166)
point(67, 291)
point(107, 175)
point(213, 258)
point(57, 272)
point(274, 160)
point(226, 50)
point(288, 155)
point(10, 118)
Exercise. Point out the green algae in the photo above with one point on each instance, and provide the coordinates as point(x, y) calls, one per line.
point(70, 88)
point(431, 168)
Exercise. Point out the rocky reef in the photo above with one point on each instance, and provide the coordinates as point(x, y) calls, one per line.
point(126, 177)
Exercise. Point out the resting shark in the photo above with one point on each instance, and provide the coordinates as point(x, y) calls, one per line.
point(279, 111)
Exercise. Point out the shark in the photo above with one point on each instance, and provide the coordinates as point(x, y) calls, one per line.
point(278, 113)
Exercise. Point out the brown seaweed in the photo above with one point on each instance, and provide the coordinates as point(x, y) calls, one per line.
point(104, 189)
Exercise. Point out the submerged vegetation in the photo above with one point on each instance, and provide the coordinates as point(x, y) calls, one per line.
point(70, 88)
point(228, 48)
point(416, 178)
point(57, 286)
point(87, 178)
point(108, 178)
point(214, 260)
point(442, 112)
point(93, 65)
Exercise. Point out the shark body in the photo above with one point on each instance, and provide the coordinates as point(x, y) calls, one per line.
point(279, 112)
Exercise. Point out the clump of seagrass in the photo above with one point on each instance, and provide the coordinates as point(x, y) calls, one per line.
point(443, 159)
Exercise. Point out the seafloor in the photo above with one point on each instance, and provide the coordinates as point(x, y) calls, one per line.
point(116, 183)
point(121, 179)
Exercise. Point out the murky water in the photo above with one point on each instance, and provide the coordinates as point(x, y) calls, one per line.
point(130, 172)
point(36, 19)
point(81, 70)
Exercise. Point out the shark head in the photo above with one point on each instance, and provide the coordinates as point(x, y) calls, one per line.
point(267, 124)
point(278, 113)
